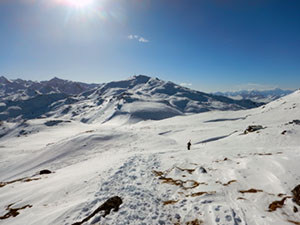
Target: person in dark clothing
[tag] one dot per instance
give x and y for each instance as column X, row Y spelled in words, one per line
column 189, row 145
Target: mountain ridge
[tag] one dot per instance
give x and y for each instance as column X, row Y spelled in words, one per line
column 137, row 98
column 263, row 96
column 18, row 89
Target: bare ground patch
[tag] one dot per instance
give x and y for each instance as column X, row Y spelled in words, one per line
column 13, row 212
column 24, row 179
column 294, row 222
column 201, row 193
column 226, row 184
column 170, row 202
column 184, row 184
column 252, row 190
column 192, row 222
column 277, row 204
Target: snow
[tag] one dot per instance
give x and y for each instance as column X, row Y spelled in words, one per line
column 17, row 90
column 110, row 100
column 146, row 163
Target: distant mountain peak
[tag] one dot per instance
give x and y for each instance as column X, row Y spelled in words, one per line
column 139, row 97
column 140, row 78
column 19, row 89
column 257, row 95
column 4, row 79
column 56, row 78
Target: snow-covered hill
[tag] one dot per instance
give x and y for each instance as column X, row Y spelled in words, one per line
column 233, row 174
column 265, row 96
column 137, row 98
column 16, row 90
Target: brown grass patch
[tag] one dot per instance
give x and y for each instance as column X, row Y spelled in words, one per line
column 194, row 184
column 89, row 131
column 230, row 182
column 190, row 171
column 281, row 195
column 225, row 159
column 252, row 190
column 201, row 193
column 277, row 204
column 295, row 209
column 24, row 179
column 294, row 222
column 226, row 184
column 170, row 202
column 157, row 173
column 30, row 179
column 267, row 153
column 181, row 183
column 168, row 180
column 13, row 212
column 264, row 154
column 194, row 222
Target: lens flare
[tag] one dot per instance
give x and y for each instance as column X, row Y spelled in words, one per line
column 77, row 3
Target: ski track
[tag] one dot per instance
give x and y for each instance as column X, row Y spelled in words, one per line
column 128, row 182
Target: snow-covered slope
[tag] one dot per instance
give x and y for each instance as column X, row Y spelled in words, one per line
column 141, row 98
column 228, row 177
column 137, row 98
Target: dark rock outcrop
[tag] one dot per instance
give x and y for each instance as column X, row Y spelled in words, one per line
column 297, row 122
column 253, row 128
column 296, row 194
column 112, row 203
column 45, row 172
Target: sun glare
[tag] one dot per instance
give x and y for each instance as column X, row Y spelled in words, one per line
column 78, row 3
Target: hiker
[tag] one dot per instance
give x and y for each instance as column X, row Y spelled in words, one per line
column 189, row 145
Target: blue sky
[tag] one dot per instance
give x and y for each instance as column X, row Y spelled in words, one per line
column 211, row 45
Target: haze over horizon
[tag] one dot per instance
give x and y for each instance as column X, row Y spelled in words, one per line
column 206, row 45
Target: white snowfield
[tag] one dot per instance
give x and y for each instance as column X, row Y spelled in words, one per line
column 228, row 177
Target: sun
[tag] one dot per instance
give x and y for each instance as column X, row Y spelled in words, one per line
column 78, row 3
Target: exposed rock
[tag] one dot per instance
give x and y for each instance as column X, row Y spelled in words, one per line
column 170, row 202
column 45, row 172
column 13, row 212
column 112, row 203
column 252, row 190
column 253, row 128
column 283, row 132
column 294, row 222
column 202, row 170
column 297, row 122
column 277, row 204
column 24, row 179
column 296, row 194
column 55, row 122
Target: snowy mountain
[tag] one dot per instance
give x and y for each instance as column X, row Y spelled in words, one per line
column 19, row 89
column 242, row 169
column 265, row 96
column 137, row 98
